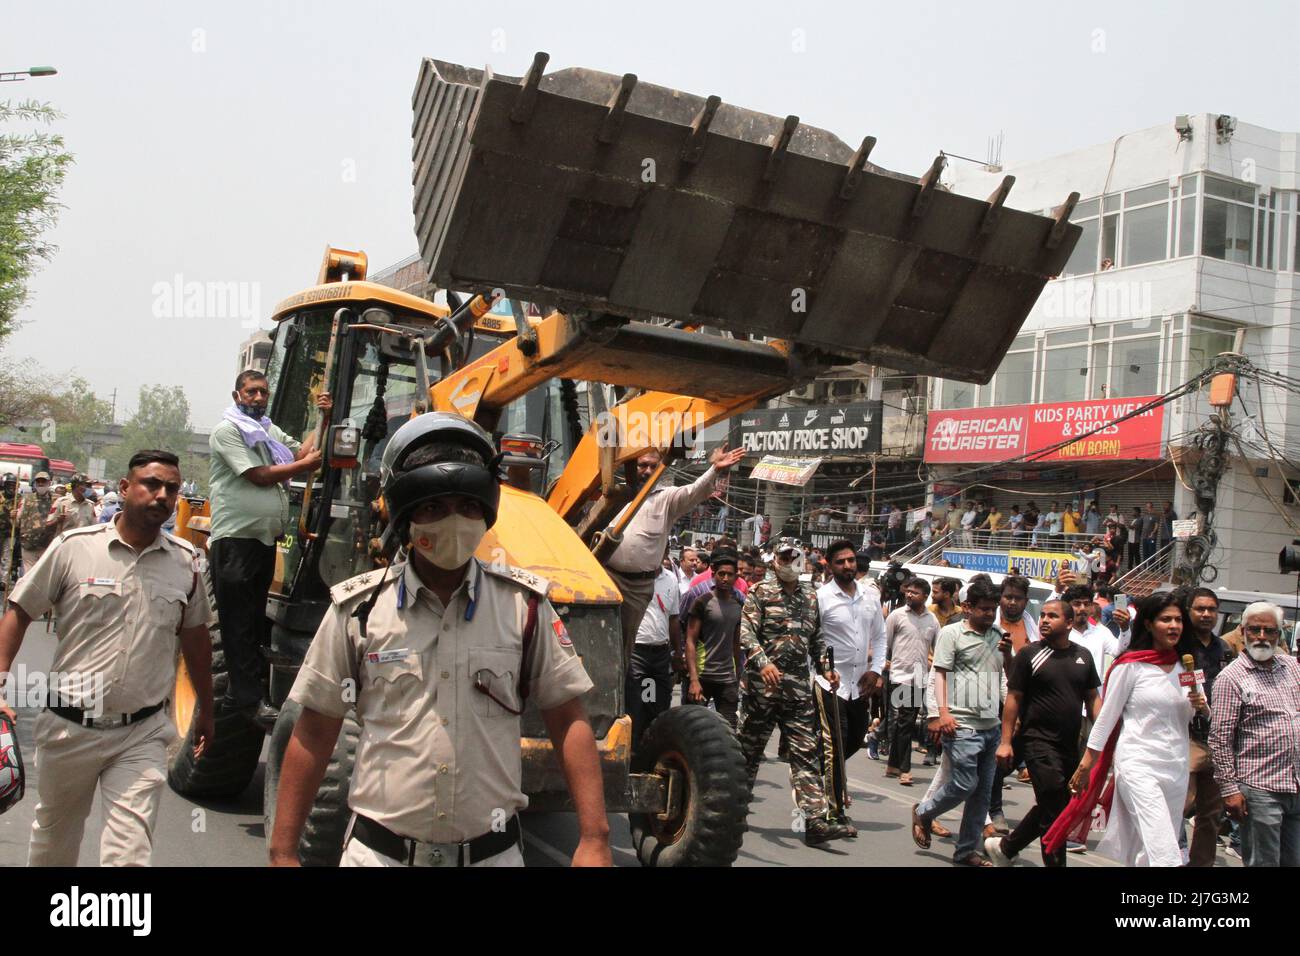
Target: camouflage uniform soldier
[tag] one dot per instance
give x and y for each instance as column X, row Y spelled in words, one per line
column 35, row 530
column 8, row 508
column 779, row 628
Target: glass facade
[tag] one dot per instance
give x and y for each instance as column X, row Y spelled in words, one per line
column 1199, row 215
column 1113, row 360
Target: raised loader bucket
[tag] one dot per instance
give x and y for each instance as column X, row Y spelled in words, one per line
column 584, row 190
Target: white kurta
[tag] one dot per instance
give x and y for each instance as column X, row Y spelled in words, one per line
column 1151, row 763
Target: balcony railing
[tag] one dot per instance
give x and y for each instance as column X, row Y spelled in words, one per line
column 1152, row 573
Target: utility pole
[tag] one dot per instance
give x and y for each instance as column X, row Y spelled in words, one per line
column 1193, row 567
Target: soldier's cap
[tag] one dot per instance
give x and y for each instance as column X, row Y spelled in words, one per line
column 786, row 545
column 8, row 478
column 41, row 474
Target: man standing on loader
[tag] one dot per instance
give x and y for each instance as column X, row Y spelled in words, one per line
column 252, row 461
column 635, row 563
column 439, row 653
column 780, row 628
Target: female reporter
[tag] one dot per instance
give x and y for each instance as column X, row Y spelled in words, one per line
column 1142, row 730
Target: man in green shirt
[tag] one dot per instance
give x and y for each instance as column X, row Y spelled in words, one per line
column 969, row 659
column 252, row 462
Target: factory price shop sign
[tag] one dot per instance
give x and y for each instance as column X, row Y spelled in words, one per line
column 966, row 435
column 818, row 431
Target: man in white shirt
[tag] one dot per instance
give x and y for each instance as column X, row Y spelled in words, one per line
column 853, row 626
column 658, row 648
column 751, row 533
column 691, row 566
column 1049, row 523
column 635, row 563
column 968, row 525
column 1100, row 642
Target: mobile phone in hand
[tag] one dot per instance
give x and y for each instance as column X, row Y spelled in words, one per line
column 1121, row 602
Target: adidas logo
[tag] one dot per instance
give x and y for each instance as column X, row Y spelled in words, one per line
column 1078, row 660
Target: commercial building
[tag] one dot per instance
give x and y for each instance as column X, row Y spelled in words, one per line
column 1190, row 248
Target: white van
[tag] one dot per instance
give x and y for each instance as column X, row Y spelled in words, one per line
column 1039, row 591
column 1232, row 603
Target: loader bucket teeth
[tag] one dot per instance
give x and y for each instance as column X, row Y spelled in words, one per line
column 588, row 190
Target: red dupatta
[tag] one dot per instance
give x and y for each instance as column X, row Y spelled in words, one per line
column 1098, row 790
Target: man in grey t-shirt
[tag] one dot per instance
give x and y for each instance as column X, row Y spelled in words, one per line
column 969, row 660
column 713, row 641
column 911, row 631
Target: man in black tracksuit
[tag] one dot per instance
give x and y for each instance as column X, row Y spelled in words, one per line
column 1050, row 684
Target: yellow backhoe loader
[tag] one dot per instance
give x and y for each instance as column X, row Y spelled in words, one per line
column 592, row 231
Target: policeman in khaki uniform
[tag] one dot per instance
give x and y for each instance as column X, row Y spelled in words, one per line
column 432, row 651
column 74, row 510
column 124, row 593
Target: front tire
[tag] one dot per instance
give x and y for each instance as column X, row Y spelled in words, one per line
column 230, row 760
column 709, row 828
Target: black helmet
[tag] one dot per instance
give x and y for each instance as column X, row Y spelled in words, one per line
column 12, row 776
column 405, row 489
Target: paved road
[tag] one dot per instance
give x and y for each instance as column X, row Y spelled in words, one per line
column 231, row 833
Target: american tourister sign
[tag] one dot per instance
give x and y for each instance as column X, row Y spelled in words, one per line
column 965, row 435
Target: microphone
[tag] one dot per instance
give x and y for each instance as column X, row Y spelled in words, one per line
column 1193, row 676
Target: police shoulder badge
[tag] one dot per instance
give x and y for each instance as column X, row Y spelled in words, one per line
column 561, row 633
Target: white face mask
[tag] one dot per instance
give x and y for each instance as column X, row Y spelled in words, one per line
column 788, row 572
column 448, row 542
column 1261, row 652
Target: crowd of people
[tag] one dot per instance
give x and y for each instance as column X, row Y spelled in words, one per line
column 1135, row 719
column 1103, row 544
column 30, row 520
column 1129, row 717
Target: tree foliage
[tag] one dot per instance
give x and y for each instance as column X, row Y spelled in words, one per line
column 32, row 167
column 75, row 412
column 27, row 396
column 161, row 420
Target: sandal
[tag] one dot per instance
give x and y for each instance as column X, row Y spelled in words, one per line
column 975, row 860
column 905, row 780
column 939, row 830
column 920, row 829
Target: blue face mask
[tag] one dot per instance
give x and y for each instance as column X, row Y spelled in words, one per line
column 256, row 412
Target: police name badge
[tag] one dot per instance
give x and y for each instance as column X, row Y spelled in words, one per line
column 387, row 657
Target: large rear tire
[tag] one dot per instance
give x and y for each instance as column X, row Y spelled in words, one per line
column 710, row 826
column 230, row 760
column 321, row 843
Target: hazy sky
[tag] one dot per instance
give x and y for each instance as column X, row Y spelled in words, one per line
column 230, row 142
